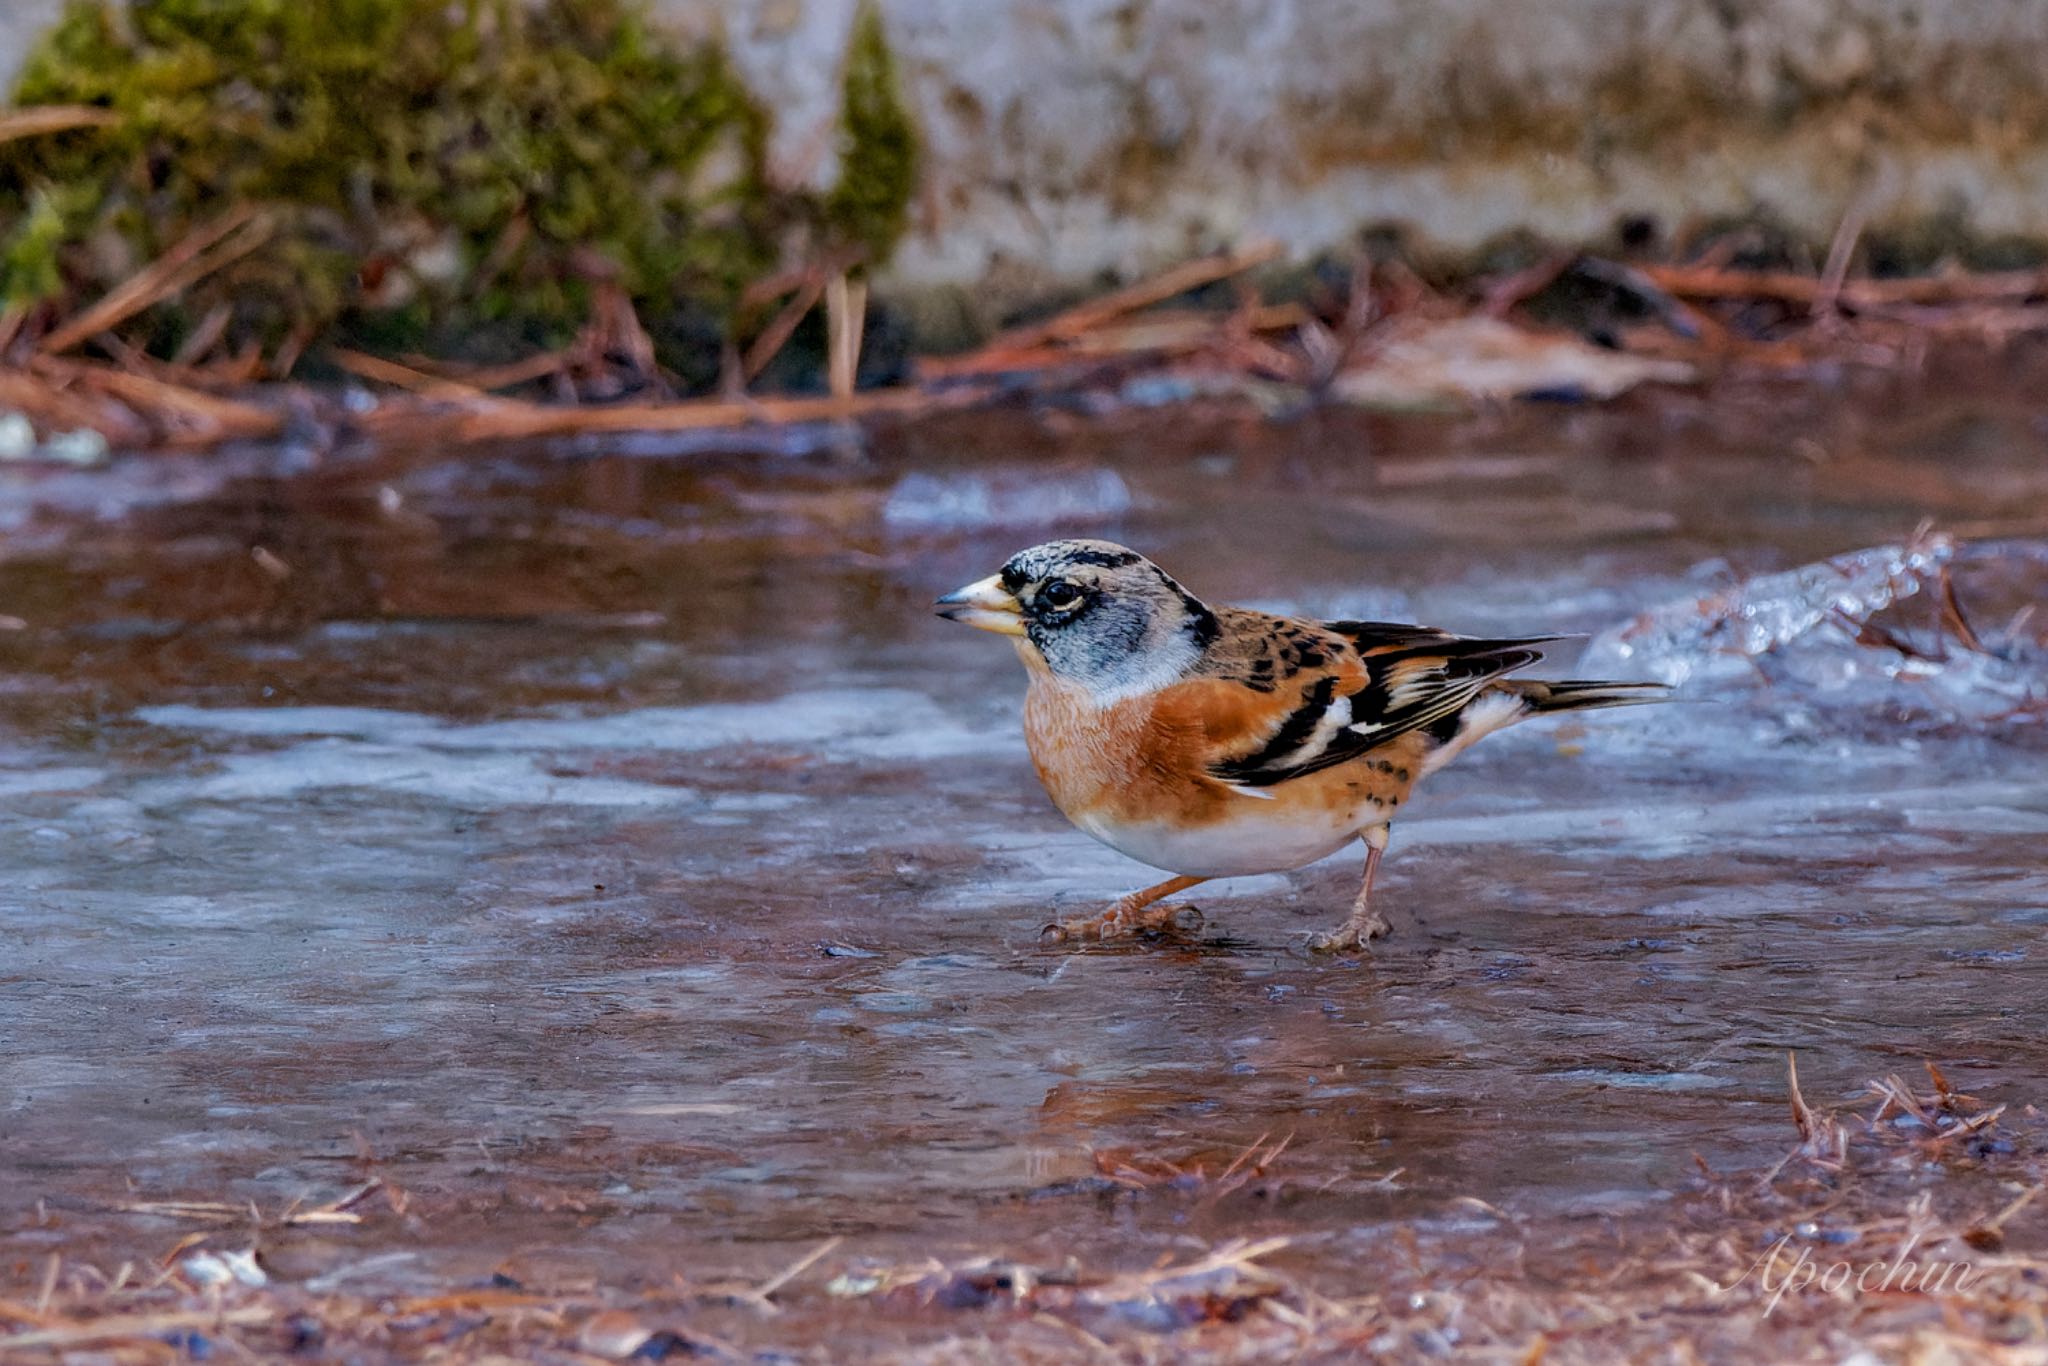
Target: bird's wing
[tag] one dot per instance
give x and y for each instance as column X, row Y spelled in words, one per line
column 1402, row 678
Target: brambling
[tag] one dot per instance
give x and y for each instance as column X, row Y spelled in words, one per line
column 1218, row 741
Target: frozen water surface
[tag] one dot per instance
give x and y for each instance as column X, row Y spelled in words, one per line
column 608, row 848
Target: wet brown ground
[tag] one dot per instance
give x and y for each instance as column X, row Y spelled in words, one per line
column 604, row 850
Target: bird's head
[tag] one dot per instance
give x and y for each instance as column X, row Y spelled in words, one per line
column 1094, row 613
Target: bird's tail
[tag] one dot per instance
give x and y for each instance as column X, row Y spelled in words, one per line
column 1581, row 694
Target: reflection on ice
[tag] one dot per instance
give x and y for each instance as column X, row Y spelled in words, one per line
column 517, row 762
column 883, row 723
column 469, row 780
column 27, row 782
column 993, row 498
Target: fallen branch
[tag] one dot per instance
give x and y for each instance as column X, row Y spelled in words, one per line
column 1709, row 282
column 204, row 417
column 615, row 331
column 506, row 420
column 39, row 119
column 477, row 379
column 1010, row 360
column 145, row 1326
column 846, row 314
column 402, row 376
column 205, row 250
column 55, row 409
column 1187, row 330
column 1164, row 333
column 506, row 376
column 1835, row 273
column 1159, row 288
column 783, row 326
column 1396, row 343
column 197, row 346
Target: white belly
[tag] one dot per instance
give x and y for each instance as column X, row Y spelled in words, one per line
column 1255, row 840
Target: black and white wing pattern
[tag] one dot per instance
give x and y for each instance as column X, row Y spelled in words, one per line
column 1410, row 678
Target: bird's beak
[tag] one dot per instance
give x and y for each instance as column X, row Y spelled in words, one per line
column 986, row 606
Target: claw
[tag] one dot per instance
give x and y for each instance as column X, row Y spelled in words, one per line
column 1119, row 924
column 1353, row 936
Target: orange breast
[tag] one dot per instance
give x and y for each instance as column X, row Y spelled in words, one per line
column 1147, row 759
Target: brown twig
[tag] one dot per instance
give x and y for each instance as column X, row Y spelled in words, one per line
column 1821, row 1137
column 1186, row 330
column 205, row 250
column 769, row 288
column 1952, row 615
column 782, row 326
column 56, row 408
column 1840, row 251
column 1705, row 282
column 187, row 416
column 506, row 419
column 1157, row 289
column 289, row 352
column 489, row 377
column 141, row 1326
column 846, row 313
column 38, row 119
column 196, row 347
column 1802, row 1114
column 766, row 1290
column 614, row 330
column 1011, row 360
column 403, row 376
column 1151, row 335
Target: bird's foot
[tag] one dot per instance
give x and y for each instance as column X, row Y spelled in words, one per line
column 1119, row 923
column 1353, row 936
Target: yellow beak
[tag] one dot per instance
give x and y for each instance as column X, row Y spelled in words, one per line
column 986, row 606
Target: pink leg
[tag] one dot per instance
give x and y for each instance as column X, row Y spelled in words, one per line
column 1364, row 924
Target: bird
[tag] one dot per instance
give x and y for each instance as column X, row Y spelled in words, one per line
column 1216, row 741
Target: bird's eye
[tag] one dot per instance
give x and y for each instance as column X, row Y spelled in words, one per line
column 1059, row 595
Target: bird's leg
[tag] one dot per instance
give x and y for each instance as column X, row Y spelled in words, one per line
column 1364, row 924
column 1126, row 915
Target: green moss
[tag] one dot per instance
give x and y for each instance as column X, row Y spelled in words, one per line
column 870, row 204
column 29, row 252
column 434, row 169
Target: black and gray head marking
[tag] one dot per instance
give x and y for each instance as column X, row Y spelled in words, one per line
column 1107, row 617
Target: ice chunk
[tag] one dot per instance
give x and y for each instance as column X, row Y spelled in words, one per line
column 209, row 1269
column 17, row 437
column 81, row 447
column 1829, row 628
column 1721, row 634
